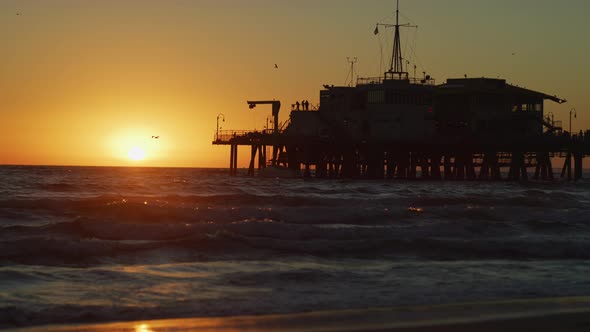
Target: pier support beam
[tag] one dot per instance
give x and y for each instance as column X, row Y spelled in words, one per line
column 448, row 170
column 484, row 171
column 321, row 167
column 518, row 169
column 424, row 166
column 275, row 155
column 293, row 158
column 495, row 167
column 403, row 165
column 397, row 165
column 413, row 165
column 233, row 160
column 349, row 165
column 435, row 166
column 490, row 170
column 261, row 151
column 389, row 165
column 332, row 167
column 375, row 164
column 261, row 157
column 252, row 158
column 459, row 169
column 543, row 168
column 567, row 166
column 469, row 167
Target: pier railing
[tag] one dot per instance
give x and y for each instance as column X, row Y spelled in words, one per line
column 225, row 136
column 379, row 80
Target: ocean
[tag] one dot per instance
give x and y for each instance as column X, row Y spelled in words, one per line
column 97, row 244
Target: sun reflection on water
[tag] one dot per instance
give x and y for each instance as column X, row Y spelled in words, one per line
column 143, row 328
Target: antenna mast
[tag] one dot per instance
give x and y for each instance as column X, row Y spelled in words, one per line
column 396, row 58
column 396, row 70
column 352, row 62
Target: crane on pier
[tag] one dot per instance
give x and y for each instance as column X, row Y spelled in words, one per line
column 276, row 107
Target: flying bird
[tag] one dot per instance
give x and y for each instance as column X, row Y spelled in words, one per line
column 19, row 14
column 276, row 66
column 155, row 137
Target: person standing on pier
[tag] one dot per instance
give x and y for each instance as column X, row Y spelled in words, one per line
column 297, row 105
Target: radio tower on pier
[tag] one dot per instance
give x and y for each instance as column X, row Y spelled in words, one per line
column 396, row 70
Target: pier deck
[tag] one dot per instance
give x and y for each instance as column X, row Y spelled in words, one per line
column 444, row 159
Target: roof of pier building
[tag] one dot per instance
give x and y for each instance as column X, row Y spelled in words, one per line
column 492, row 85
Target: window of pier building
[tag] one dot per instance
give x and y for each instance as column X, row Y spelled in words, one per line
column 376, row 97
column 528, row 107
column 489, row 101
column 397, row 97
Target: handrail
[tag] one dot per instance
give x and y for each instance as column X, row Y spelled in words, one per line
column 381, row 79
column 227, row 135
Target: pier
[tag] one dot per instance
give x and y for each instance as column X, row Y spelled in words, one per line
column 399, row 126
column 324, row 157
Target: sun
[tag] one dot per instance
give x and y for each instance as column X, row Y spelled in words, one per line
column 135, row 147
column 136, row 154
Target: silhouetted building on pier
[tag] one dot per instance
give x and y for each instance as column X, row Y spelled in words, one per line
column 397, row 126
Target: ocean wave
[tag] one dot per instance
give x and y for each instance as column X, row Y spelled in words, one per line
column 286, row 208
column 169, row 199
column 89, row 242
column 58, row 187
column 107, row 213
column 528, row 198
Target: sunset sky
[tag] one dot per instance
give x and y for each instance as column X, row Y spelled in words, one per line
column 83, row 82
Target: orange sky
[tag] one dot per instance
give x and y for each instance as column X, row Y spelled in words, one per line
column 82, row 82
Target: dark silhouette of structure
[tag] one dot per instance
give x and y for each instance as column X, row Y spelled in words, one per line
column 397, row 126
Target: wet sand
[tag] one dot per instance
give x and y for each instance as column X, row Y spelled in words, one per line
column 553, row 314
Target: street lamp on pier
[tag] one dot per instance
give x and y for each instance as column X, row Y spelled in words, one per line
column 220, row 115
column 572, row 111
